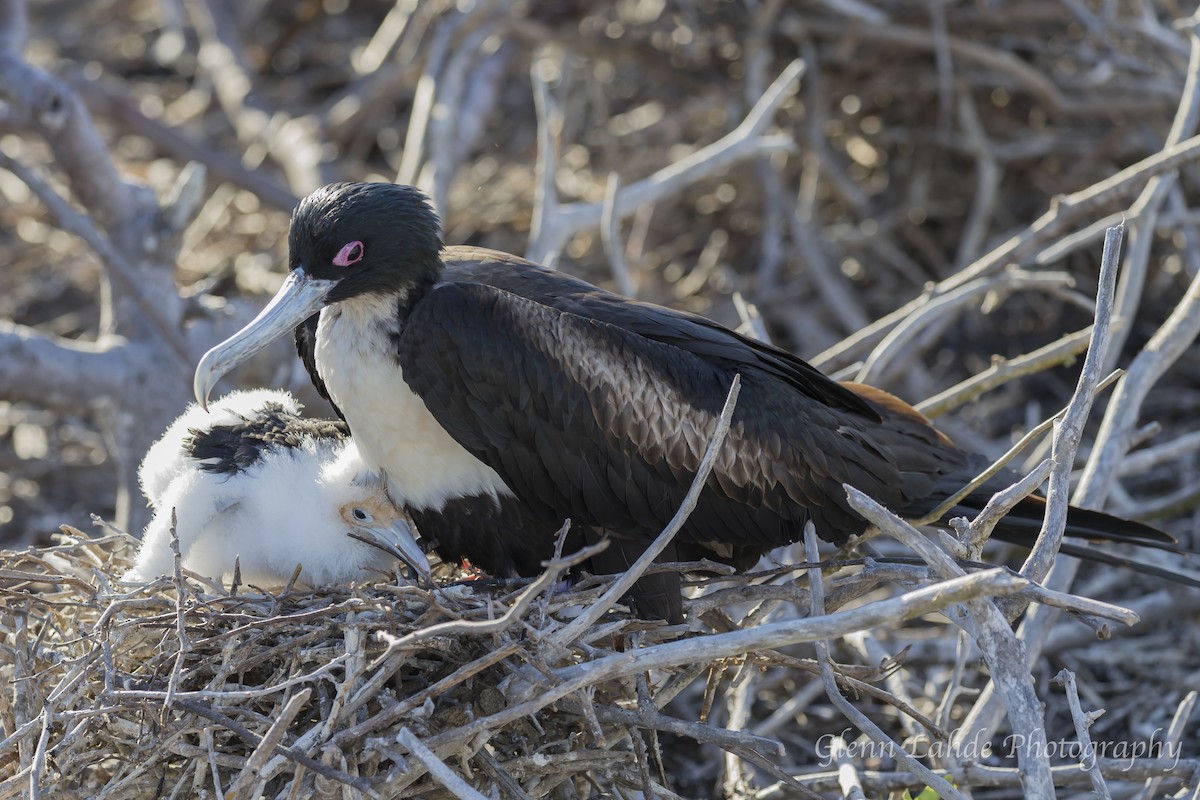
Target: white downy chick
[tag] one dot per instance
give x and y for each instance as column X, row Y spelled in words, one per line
column 252, row 480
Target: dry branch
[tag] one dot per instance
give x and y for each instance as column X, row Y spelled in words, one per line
column 1069, row 431
column 556, row 223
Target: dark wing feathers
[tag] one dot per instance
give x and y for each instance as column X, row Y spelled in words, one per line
column 607, row 395
column 787, row 449
column 689, row 332
column 598, row 408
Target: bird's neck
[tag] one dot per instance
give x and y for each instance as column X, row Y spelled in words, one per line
column 412, row 294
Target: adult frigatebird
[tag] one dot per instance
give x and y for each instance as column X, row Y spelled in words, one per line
column 255, row 481
column 500, row 397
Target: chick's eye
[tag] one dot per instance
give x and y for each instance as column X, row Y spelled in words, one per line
column 351, row 253
column 361, row 516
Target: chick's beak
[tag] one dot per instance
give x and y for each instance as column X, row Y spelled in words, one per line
column 298, row 298
column 397, row 540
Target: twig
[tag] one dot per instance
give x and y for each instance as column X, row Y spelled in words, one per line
column 1173, row 737
column 116, row 262
column 700, row 732
column 108, row 101
column 510, row 789
column 185, row 646
column 856, row 717
column 242, row 787
column 937, row 309
column 1032, row 435
column 437, row 768
column 1169, row 342
column 545, row 188
column 1017, row 249
column 771, row 636
column 446, row 128
column 523, row 602
column 1003, row 651
column 285, row 139
column 1004, row 370
column 57, row 372
column 200, row 709
column 560, row 223
column 1008, row 63
column 423, row 101
column 230, row 695
column 975, row 533
column 1142, row 461
column 983, row 776
column 756, row 57
column 39, row 757
column 1146, row 207
column 1082, row 723
column 848, row 779
column 386, row 37
column 398, row 710
column 987, row 169
column 610, row 237
column 1070, row 430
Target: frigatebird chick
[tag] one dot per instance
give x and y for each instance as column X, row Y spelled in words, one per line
column 500, row 398
column 252, row 480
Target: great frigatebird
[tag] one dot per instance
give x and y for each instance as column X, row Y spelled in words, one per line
column 500, row 397
column 254, row 480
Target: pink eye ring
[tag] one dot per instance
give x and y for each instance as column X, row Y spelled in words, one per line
column 350, row 253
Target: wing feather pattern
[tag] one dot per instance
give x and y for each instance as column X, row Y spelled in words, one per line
column 630, row 416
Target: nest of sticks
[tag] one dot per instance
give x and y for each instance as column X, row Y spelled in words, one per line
column 182, row 688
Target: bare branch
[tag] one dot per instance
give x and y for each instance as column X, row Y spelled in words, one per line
column 286, row 139
column 61, row 373
column 744, row 141
column 936, row 310
column 1003, row 651
column 109, row 102
column 57, row 113
column 858, row 718
column 1145, row 209
column 437, row 768
column 1070, row 430
column 1120, row 418
column 1082, row 723
column 780, row 634
column 610, row 235
column 1017, row 249
column 1003, row 370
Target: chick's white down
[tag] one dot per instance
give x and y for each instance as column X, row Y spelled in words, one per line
column 296, row 505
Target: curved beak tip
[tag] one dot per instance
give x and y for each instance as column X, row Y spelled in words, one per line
column 298, row 298
column 201, row 386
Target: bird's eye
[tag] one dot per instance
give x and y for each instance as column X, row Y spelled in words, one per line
column 351, row 253
column 361, row 516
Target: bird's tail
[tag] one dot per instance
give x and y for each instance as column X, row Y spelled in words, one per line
column 1022, row 524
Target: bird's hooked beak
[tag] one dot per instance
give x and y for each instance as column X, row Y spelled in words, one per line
column 298, row 298
column 397, row 540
